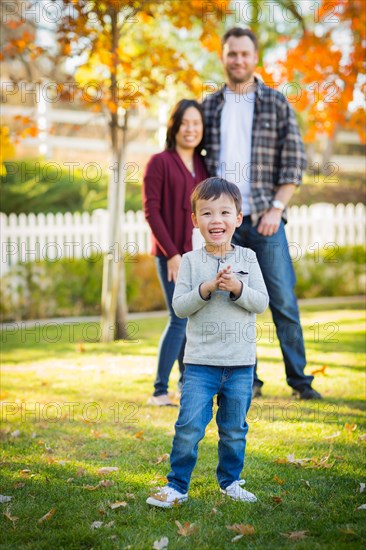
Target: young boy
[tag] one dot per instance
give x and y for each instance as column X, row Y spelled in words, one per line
column 219, row 288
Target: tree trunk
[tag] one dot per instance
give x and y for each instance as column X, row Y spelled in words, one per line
column 113, row 268
column 122, row 308
column 114, row 286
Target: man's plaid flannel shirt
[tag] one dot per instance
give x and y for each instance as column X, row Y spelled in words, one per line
column 277, row 155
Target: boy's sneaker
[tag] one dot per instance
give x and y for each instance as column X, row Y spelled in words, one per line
column 167, row 497
column 236, row 492
column 161, row 401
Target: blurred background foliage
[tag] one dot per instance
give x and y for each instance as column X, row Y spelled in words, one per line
column 45, row 289
column 36, row 185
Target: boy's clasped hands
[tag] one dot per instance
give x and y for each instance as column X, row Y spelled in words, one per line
column 224, row 280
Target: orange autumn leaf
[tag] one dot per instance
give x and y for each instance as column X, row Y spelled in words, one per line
column 295, row 535
column 350, row 427
column 139, row 435
column 278, row 480
column 11, row 518
column 242, row 529
column 47, row 516
column 320, row 370
column 186, row 529
column 117, row 504
column 162, row 458
column 112, row 106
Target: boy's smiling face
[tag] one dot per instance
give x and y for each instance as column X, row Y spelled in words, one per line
column 217, row 220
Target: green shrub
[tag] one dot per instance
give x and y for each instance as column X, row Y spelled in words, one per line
column 36, row 185
column 36, row 290
column 336, row 272
column 46, row 289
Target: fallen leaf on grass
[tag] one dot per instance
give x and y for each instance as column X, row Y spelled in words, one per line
column 320, row 370
column 103, row 483
column 19, row 485
column 362, row 487
column 96, row 524
column 306, row 483
column 214, row 510
column 187, row 529
column 139, row 435
column 317, row 464
column 161, row 544
column 4, row 498
column 157, row 479
column 242, row 529
column 290, row 459
column 278, row 480
column 312, row 463
column 117, row 504
column 362, row 507
column 25, row 473
column 162, row 458
column 362, row 437
column 47, row 516
column 295, row 535
column 347, row 531
column 97, row 434
column 108, row 469
column 333, row 436
column 350, row 427
column 130, row 495
column 81, row 472
column 11, row 518
column 278, row 500
column 109, row 524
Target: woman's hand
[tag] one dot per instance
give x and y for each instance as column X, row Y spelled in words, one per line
column 173, row 267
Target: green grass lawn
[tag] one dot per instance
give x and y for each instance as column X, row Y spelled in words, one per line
column 70, row 409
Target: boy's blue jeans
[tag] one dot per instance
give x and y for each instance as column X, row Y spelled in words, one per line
column 234, row 389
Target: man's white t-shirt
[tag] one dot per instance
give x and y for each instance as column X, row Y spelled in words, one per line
column 236, row 142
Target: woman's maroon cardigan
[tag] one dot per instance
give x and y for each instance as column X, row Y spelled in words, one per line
column 167, row 187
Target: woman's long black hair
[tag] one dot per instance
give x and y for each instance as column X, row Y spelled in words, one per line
column 175, row 121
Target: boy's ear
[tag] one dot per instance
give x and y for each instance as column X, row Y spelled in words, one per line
column 239, row 219
column 194, row 219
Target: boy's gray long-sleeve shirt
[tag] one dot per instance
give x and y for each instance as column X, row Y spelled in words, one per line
column 221, row 331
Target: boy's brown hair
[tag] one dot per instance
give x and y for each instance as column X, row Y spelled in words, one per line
column 213, row 188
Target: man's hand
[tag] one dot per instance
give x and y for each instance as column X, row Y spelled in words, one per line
column 173, row 267
column 228, row 281
column 270, row 222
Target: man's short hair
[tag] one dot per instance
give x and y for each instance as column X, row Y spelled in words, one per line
column 237, row 32
column 213, row 188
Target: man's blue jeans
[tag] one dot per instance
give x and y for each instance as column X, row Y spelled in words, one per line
column 173, row 339
column 279, row 275
column 233, row 387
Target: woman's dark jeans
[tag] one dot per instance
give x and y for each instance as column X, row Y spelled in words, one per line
column 173, row 339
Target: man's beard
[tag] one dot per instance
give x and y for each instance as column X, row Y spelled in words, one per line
column 235, row 80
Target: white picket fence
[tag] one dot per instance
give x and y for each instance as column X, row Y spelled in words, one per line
column 54, row 236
